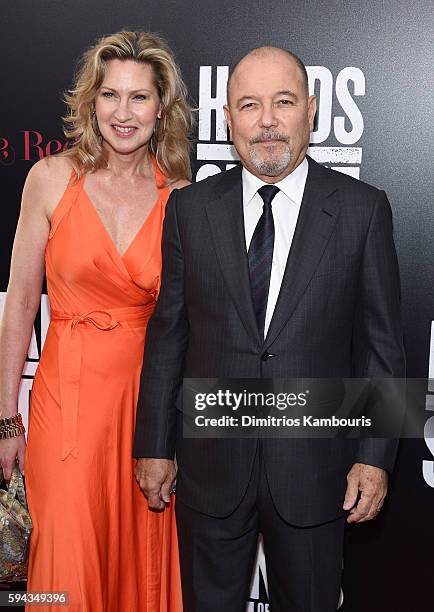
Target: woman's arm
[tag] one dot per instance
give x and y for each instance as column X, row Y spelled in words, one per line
column 44, row 186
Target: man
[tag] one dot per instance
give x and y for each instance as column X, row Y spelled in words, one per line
column 321, row 301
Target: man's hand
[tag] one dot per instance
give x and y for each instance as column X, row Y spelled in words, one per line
column 371, row 481
column 155, row 478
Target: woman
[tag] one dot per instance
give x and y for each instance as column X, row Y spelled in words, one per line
column 95, row 215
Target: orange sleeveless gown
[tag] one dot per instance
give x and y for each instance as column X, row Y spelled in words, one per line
column 94, row 536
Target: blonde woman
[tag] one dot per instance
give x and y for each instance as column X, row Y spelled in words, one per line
column 91, row 219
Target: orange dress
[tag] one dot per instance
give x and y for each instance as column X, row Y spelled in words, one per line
column 94, row 536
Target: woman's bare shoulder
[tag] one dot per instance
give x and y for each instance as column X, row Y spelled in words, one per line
column 47, row 181
column 52, row 168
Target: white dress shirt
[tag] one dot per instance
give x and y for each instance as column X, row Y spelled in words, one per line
column 286, row 206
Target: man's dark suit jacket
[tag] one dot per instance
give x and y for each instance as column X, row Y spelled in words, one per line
column 337, row 315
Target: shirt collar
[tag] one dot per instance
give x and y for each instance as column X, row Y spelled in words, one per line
column 292, row 185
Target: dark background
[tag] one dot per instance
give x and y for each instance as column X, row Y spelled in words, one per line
column 388, row 564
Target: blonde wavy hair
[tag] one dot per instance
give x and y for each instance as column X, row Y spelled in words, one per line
column 170, row 141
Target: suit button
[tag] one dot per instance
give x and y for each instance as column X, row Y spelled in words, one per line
column 266, row 356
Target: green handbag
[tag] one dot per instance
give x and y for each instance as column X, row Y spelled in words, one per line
column 15, row 528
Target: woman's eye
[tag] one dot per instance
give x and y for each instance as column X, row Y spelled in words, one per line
column 107, row 94
column 140, row 97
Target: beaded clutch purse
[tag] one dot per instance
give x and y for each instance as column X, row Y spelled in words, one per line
column 15, row 528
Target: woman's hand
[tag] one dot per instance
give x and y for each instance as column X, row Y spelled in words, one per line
column 12, row 450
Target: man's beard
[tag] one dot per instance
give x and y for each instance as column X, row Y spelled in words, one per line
column 272, row 163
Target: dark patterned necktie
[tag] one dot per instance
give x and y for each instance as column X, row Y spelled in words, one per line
column 260, row 256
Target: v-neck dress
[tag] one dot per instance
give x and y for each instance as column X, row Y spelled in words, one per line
column 93, row 534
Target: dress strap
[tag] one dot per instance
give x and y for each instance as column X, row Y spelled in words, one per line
column 160, row 178
column 65, row 203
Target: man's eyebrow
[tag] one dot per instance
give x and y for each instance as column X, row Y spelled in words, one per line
column 287, row 92
column 244, row 98
column 283, row 92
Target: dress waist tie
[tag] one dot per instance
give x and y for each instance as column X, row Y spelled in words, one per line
column 70, row 358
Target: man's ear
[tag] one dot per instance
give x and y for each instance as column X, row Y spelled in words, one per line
column 227, row 113
column 311, row 111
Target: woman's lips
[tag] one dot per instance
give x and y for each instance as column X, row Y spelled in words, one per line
column 123, row 131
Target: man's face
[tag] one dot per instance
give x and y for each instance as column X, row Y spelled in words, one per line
column 270, row 115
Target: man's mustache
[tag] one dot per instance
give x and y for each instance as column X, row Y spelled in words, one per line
column 267, row 135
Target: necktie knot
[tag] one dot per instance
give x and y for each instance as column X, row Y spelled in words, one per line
column 267, row 193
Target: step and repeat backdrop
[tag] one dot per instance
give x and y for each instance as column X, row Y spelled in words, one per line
column 370, row 65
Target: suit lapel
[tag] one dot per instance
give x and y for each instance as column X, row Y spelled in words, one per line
column 317, row 218
column 226, row 219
